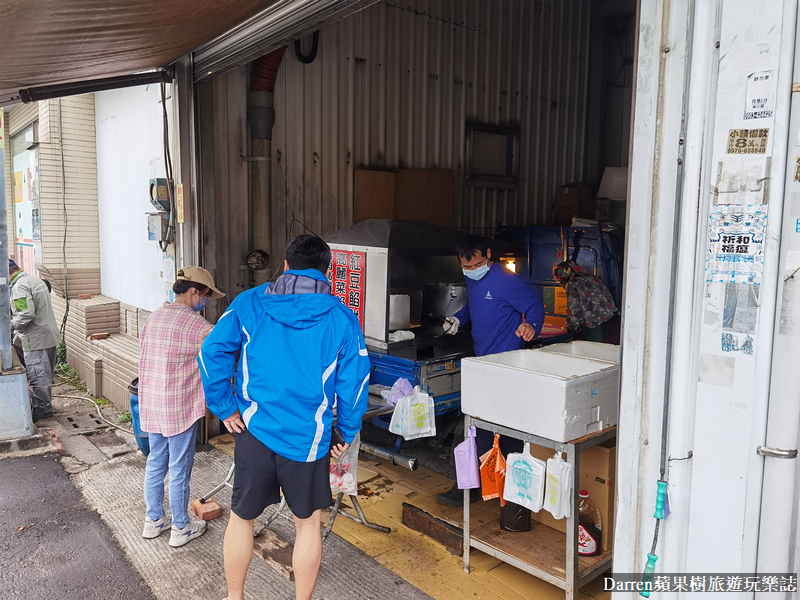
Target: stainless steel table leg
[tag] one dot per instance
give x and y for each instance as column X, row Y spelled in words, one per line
column 467, row 498
column 205, row 498
column 573, row 575
column 271, row 518
column 334, row 512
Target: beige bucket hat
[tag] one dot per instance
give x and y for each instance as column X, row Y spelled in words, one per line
column 200, row 275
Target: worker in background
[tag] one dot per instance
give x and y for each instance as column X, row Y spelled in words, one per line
column 171, row 401
column 34, row 324
column 17, row 342
column 302, row 350
column 590, row 307
column 505, row 313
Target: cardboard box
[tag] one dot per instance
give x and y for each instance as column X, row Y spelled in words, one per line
column 424, row 195
column 418, row 194
column 574, row 200
column 373, row 196
column 597, row 466
column 555, row 300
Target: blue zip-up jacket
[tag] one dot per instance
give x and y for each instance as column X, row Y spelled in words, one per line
column 495, row 305
column 300, row 353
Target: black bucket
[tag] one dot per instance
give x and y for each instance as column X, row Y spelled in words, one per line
column 514, row 517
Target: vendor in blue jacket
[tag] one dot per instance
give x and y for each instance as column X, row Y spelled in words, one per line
column 497, row 301
column 302, row 351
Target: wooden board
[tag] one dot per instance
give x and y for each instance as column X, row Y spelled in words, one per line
column 275, row 551
column 223, row 442
column 541, row 547
column 446, row 534
column 373, row 197
column 480, row 512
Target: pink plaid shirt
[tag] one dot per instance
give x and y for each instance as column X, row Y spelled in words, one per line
column 170, row 390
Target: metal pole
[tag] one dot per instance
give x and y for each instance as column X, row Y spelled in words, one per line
column 5, row 298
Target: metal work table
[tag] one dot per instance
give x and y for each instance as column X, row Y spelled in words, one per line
column 538, row 551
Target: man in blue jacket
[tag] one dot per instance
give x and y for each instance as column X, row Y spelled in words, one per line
column 302, row 351
column 497, row 301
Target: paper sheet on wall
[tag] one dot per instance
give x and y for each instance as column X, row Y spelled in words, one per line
column 736, row 244
column 760, row 103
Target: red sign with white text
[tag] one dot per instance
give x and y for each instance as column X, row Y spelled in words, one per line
column 348, row 277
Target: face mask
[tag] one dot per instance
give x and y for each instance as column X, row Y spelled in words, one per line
column 199, row 305
column 477, row 273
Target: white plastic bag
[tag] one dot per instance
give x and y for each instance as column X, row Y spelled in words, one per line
column 419, row 418
column 344, row 470
column 397, row 424
column 558, row 488
column 525, row 479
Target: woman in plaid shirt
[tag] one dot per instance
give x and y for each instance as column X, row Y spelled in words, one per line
column 171, row 401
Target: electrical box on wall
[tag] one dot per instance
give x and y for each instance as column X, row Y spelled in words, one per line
column 159, row 194
column 157, row 226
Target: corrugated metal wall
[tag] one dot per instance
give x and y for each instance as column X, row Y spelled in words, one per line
column 394, row 85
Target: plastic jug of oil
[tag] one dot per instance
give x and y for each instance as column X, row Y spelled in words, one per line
column 589, row 526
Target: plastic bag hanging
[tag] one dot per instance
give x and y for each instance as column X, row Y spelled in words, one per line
column 525, row 479
column 493, row 472
column 558, row 487
column 467, row 467
column 402, row 387
column 419, row 418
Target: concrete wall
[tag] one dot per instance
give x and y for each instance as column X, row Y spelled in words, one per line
column 129, row 154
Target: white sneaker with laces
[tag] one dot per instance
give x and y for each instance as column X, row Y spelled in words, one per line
column 153, row 529
column 179, row 537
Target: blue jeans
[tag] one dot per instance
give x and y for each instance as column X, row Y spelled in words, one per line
column 176, row 455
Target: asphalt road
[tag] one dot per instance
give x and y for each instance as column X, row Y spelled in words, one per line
column 52, row 544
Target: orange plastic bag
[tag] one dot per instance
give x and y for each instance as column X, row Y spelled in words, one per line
column 493, row 472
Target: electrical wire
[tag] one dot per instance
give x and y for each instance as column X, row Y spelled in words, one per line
column 64, row 209
column 168, row 170
column 100, row 414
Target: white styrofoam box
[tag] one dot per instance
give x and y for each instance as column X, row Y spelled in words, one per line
column 556, row 396
column 15, row 410
column 595, row 350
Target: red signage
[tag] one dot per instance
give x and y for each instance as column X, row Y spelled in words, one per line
column 348, row 277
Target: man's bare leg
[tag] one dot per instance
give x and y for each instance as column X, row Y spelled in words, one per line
column 237, row 551
column 306, row 556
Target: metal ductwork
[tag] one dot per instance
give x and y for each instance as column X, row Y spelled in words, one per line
column 275, row 26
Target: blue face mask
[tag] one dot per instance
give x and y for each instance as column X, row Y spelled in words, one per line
column 477, row 273
column 199, row 305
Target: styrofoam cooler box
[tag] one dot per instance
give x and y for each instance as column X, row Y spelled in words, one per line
column 596, row 350
column 556, row 396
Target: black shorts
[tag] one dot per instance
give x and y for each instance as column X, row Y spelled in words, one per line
column 261, row 474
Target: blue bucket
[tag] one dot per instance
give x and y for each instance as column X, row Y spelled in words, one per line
column 141, row 436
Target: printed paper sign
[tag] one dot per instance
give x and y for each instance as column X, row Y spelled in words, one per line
column 736, row 244
column 179, row 201
column 760, row 103
column 748, row 141
column 348, row 277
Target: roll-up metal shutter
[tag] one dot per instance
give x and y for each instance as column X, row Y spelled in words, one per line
column 273, row 27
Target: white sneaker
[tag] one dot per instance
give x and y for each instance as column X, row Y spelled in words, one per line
column 193, row 529
column 153, row 529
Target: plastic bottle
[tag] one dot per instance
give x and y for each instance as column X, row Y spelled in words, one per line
column 589, row 526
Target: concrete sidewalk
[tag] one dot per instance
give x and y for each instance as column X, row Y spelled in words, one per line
column 114, row 488
column 108, row 470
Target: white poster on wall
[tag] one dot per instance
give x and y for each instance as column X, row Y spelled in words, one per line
column 736, row 244
column 760, row 99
